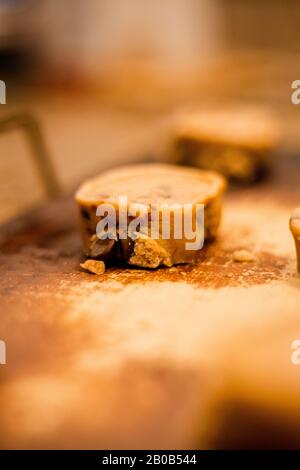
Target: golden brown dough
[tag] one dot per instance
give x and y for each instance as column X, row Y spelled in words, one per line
column 237, row 142
column 152, row 186
column 295, row 229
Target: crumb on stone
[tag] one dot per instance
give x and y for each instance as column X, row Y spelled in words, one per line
column 93, row 266
column 295, row 229
column 243, row 256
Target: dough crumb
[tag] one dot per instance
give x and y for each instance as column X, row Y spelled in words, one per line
column 150, row 253
column 242, row 256
column 93, row 266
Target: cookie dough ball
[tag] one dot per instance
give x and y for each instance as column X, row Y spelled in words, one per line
column 164, row 195
column 237, row 142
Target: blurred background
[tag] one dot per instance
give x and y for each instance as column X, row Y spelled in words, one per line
column 88, row 85
column 95, row 77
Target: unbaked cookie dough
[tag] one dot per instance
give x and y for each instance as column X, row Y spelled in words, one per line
column 295, row 229
column 237, row 142
column 157, row 188
column 243, row 256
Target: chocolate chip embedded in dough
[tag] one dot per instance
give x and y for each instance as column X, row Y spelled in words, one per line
column 85, row 214
column 101, row 248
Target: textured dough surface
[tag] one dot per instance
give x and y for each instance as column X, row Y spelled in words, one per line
column 150, row 185
column 249, row 127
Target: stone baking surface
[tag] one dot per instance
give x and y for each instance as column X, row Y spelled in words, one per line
column 118, row 360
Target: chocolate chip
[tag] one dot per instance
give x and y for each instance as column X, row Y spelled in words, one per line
column 85, row 214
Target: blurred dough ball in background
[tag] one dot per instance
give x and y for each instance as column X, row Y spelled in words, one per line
column 237, row 140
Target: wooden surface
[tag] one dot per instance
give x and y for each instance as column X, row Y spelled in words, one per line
column 132, row 358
